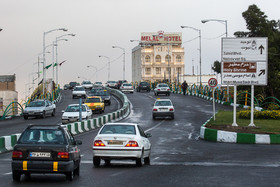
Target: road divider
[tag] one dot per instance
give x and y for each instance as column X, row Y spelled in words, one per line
column 7, row 142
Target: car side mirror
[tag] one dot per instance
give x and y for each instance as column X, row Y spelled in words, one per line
column 148, row 135
column 79, row 142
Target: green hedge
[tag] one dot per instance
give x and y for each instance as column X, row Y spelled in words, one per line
column 267, row 114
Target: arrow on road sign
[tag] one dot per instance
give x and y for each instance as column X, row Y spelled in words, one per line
column 261, row 48
column 262, row 71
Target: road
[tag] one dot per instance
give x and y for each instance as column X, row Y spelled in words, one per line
column 178, row 157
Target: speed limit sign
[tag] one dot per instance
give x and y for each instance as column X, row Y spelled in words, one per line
column 212, row 82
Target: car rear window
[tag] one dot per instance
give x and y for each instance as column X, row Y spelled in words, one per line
column 162, row 85
column 75, row 108
column 92, row 100
column 43, row 136
column 163, row 103
column 144, row 84
column 118, row 129
column 37, row 104
column 79, row 89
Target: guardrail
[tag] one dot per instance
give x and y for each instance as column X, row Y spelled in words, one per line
column 7, row 142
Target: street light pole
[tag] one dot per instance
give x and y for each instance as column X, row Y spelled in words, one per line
column 44, row 59
column 199, row 31
column 95, row 71
column 108, row 65
column 123, row 59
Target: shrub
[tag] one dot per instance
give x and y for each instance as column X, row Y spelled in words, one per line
column 267, row 114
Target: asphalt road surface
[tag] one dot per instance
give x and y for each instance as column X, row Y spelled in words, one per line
column 178, row 157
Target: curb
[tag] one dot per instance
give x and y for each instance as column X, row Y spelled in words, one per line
column 7, row 142
column 235, row 137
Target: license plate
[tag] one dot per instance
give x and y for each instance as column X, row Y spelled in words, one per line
column 163, row 109
column 40, row 154
column 163, row 89
column 79, row 95
column 115, row 142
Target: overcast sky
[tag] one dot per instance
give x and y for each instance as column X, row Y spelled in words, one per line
column 100, row 24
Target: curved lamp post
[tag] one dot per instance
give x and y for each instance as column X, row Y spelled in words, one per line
column 108, row 65
column 95, row 71
column 123, row 59
column 217, row 20
column 199, row 31
column 44, row 60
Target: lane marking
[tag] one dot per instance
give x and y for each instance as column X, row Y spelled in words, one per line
column 155, row 126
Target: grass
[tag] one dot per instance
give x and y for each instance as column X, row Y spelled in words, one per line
column 225, row 118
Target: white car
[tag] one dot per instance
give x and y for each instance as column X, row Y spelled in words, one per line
column 127, row 87
column 79, row 92
column 162, row 88
column 39, row 108
column 163, row 108
column 71, row 114
column 118, row 141
column 87, row 84
column 111, row 84
column 98, row 84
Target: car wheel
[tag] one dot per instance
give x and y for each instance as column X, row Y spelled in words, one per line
column 169, row 94
column 73, row 97
column 70, row 175
column 16, row 176
column 172, row 117
column 154, row 117
column 53, row 113
column 109, row 103
column 139, row 161
column 155, row 93
column 96, row 161
column 25, row 117
column 43, row 115
column 147, row 160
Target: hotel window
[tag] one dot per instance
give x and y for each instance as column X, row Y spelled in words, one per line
column 179, row 70
column 167, row 58
column 158, row 58
column 147, row 58
column 158, row 71
column 148, row 71
column 178, row 58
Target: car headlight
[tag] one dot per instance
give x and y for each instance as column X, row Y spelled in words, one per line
column 64, row 117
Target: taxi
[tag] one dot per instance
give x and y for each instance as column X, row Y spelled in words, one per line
column 163, row 108
column 95, row 103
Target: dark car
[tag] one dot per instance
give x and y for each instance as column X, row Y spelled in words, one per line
column 143, row 86
column 119, row 83
column 46, row 149
column 104, row 94
column 66, row 86
column 72, row 85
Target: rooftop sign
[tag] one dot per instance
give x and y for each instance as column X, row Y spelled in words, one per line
column 161, row 37
column 244, row 61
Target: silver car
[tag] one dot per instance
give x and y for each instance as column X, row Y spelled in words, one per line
column 162, row 88
column 39, row 108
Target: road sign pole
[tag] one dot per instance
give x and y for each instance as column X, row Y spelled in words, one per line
column 252, row 107
column 213, row 103
column 234, row 107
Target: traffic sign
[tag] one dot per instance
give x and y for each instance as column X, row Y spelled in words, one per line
column 212, row 82
column 244, row 61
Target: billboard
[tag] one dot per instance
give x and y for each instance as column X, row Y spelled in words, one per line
column 161, row 37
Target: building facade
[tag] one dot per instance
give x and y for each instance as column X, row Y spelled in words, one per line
column 158, row 57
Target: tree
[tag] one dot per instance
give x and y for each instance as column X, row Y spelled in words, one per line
column 259, row 26
column 217, row 67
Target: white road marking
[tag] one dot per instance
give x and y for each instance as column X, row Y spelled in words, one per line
column 9, row 173
column 155, row 126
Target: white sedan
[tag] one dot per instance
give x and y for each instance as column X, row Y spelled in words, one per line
column 79, row 92
column 163, row 108
column 72, row 112
column 118, row 141
column 127, row 87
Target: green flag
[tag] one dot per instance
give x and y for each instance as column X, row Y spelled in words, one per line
column 55, row 65
column 47, row 67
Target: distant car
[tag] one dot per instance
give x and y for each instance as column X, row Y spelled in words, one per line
column 79, row 92
column 143, row 86
column 46, row 149
column 66, row 87
column 116, row 141
column 39, row 108
column 71, row 114
column 87, row 84
column 72, row 85
column 95, row 103
column 104, row 94
column 163, row 108
column 120, row 82
column 162, row 88
column 111, row 84
column 98, row 84
column 127, row 87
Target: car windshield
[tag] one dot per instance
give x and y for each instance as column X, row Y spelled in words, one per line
column 79, row 89
column 37, row 104
column 86, row 82
column 162, row 85
column 72, row 83
column 102, row 93
column 98, row 83
column 42, row 136
column 75, row 108
column 118, row 129
column 92, row 100
column 163, row 103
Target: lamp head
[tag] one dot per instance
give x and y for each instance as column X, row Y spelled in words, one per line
column 73, row 34
column 113, row 46
column 63, row 29
column 204, row 21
